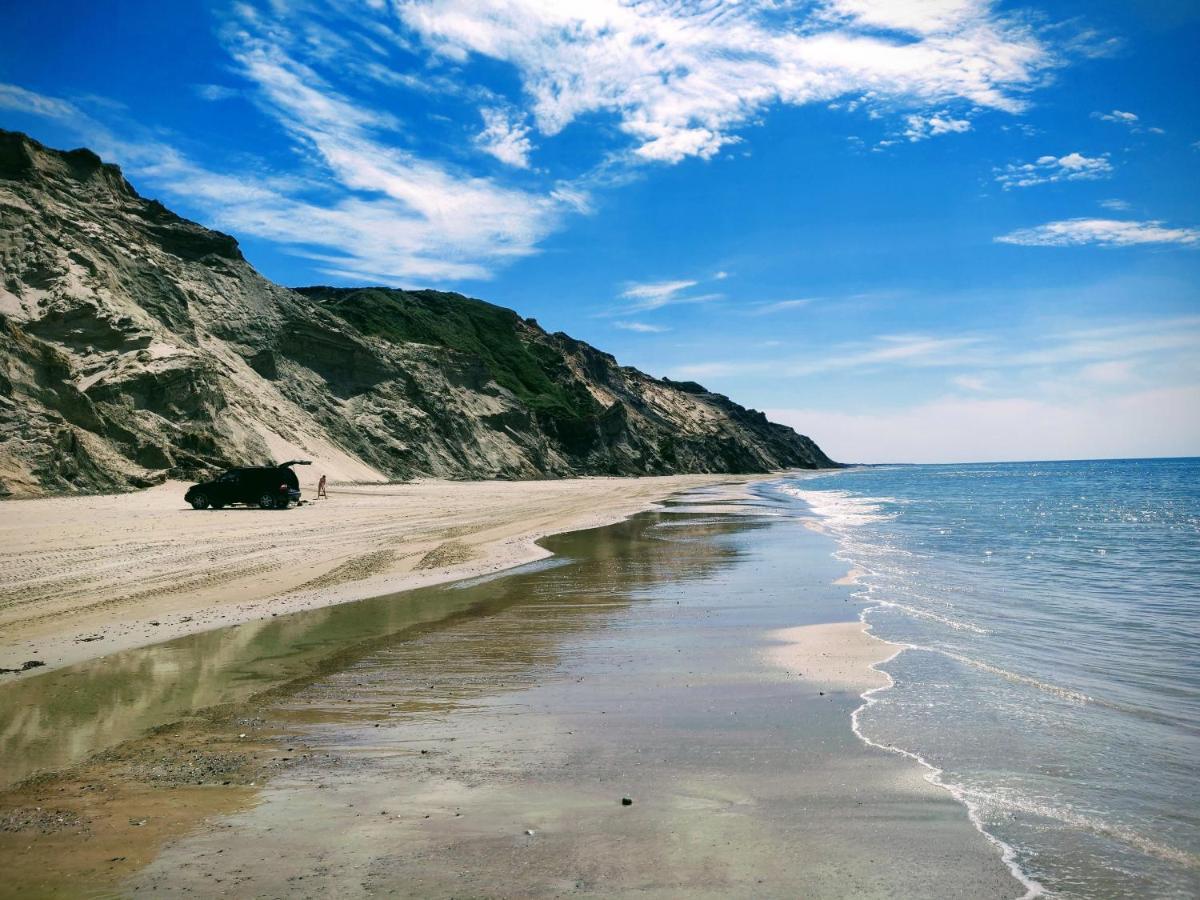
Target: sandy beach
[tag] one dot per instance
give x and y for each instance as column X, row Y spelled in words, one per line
column 483, row 737
column 82, row 577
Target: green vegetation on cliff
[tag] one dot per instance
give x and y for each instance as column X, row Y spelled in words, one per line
column 498, row 337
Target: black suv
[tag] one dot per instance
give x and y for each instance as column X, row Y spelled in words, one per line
column 267, row 487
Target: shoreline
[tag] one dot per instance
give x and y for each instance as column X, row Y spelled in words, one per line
column 85, row 577
column 583, row 718
column 846, row 656
column 851, row 654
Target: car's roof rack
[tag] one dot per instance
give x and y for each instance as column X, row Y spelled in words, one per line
column 295, row 462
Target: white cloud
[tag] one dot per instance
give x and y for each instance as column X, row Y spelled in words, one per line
column 920, row 128
column 1110, row 343
column 765, row 309
column 18, row 98
column 922, row 17
column 1115, row 371
column 1129, row 120
column 1117, row 205
column 657, row 290
column 678, row 79
column 970, row 383
column 1049, row 169
column 436, row 222
column 215, row 92
column 392, row 216
column 1104, row 232
column 1064, row 350
column 911, row 350
column 1163, row 421
column 641, row 327
column 682, row 78
column 1124, row 118
column 504, row 138
column 657, row 294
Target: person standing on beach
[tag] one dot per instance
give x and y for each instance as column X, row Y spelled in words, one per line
column 321, row 489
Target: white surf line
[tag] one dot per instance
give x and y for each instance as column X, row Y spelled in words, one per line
column 1008, row 853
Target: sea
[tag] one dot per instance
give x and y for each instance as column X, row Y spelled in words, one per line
column 1047, row 619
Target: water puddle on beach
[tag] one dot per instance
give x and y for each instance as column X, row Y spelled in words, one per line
column 483, row 737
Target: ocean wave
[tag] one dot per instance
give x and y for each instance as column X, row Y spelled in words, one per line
column 956, row 624
column 1008, row 853
column 1056, row 690
column 978, row 576
column 842, row 509
column 1006, row 802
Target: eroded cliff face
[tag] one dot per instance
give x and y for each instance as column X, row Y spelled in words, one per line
column 136, row 345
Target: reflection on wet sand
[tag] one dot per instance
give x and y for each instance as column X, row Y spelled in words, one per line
column 55, row 720
column 194, row 724
column 478, row 739
column 492, row 755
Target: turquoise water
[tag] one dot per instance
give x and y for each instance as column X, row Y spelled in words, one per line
column 1050, row 620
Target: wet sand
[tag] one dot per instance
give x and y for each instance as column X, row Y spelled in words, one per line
column 82, row 577
column 486, row 751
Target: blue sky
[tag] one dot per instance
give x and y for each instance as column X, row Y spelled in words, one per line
column 939, row 230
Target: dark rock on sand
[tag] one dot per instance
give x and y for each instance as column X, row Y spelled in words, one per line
column 25, row 666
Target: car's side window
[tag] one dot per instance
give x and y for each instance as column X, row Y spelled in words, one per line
column 229, row 478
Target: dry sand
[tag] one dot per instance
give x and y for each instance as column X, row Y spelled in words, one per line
column 82, row 577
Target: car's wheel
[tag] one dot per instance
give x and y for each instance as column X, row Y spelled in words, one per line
column 266, row 501
column 199, row 501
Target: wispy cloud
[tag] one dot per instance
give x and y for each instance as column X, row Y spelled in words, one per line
column 766, row 309
column 368, row 211
column 1119, row 116
column 435, row 222
column 1049, row 169
column 972, row 383
column 680, row 80
column 17, row 98
column 1117, row 205
column 215, row 92
column 653, row 291
column 505, row 138
column 1129, row 120
column 914, row 350
column 1090, row 352
column 641, row 327
column 1108, row 423
column 920, row 128
column 651, row 295
column 1117, row 371
column 655, row 294
column 1102, row 232
column 683, row 78
column 1111, row 343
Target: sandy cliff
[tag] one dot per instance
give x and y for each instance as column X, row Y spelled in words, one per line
column 136, row 345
